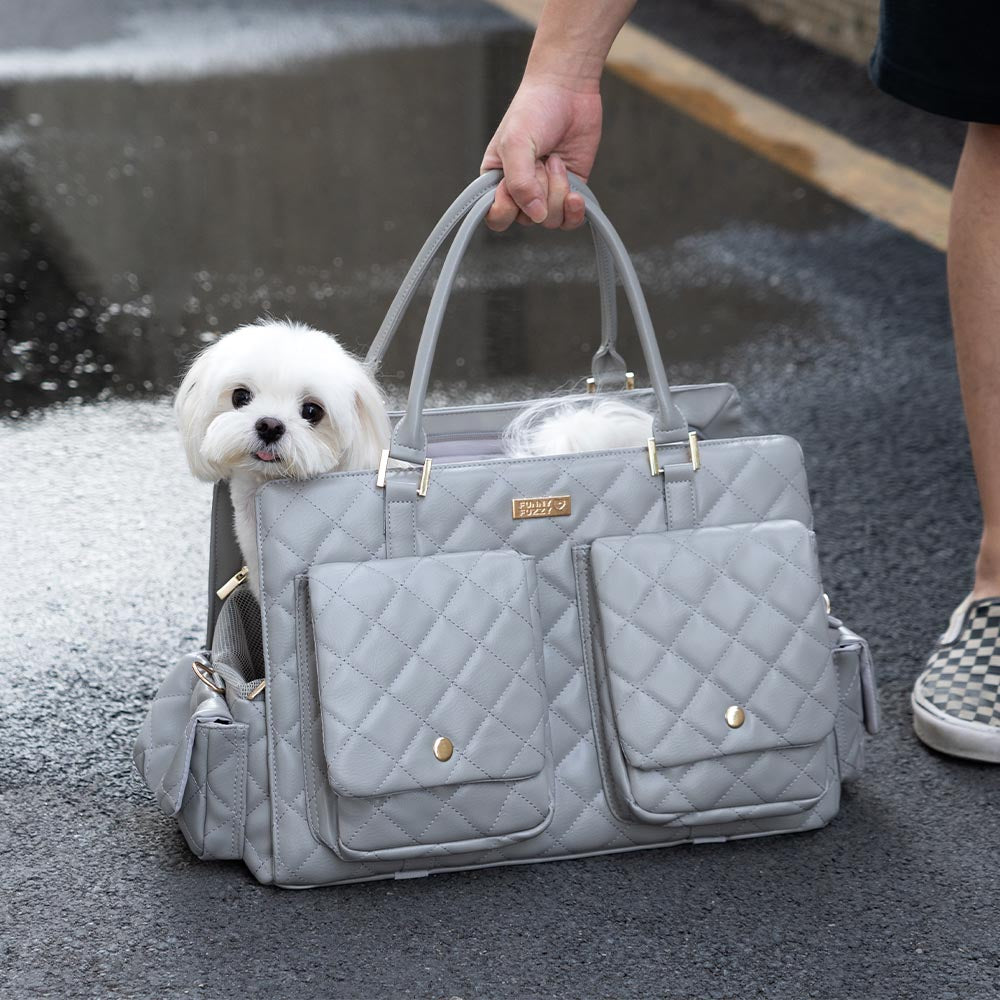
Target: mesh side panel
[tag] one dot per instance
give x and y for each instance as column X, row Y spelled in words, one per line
column 237, row 645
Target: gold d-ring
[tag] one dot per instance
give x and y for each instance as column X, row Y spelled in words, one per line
column 200, row 671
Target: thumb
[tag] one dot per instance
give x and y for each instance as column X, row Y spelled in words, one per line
column 523, row 181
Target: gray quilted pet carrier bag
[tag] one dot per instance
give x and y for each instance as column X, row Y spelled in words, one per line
column 466, row 659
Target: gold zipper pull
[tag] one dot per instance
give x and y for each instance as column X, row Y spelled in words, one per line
column 231, row 584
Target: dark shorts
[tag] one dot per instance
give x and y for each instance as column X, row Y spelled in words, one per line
column 942, row 56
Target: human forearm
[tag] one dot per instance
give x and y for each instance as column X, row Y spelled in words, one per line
column 573, row 39
column 553, row 123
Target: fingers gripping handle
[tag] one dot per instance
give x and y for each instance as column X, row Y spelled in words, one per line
column 409, row 442
column 607, row 364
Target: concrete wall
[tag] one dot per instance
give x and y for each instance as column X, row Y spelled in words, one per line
column 846, row 27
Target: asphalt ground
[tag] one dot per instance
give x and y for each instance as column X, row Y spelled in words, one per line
column 833, row 326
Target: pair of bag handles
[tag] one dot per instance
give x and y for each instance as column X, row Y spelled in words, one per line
column 607, row 367
column 409, row 442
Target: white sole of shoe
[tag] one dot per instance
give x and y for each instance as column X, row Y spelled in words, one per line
column 942, row 732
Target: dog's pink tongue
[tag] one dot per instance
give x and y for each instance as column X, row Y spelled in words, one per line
column 265, row 456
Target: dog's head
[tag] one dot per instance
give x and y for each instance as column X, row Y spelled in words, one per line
column 279, row 399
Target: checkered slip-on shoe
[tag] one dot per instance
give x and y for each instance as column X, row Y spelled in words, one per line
column 956, row 700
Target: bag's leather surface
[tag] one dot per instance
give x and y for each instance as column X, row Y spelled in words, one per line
column 583, row 665
column 409, row 653
column 686, row 624
column 858, row 711
column 193, row 755
column 413, row 650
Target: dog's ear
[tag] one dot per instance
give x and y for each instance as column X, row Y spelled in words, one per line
column 365, row 448
column 195, row 406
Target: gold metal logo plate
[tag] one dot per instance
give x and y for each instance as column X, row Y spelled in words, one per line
column 540, row 507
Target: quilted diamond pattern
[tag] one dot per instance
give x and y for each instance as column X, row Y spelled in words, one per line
column 257, row 849
column 212, row 816
column 163, row 732
column 193, row 772
column 405, row 650
column 695, row 621
column 291, row 811
column 858, row 712
column 340, row 518
column 412, row 650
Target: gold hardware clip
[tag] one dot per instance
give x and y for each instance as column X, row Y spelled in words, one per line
column 695, row 450
column 383, row 464
column 654, row 460
column 629, row 382
column 425, row 473
column 256, row 690
column 425, row 478
column 232, row 583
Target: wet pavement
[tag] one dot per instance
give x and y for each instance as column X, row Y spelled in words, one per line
column 152, row 195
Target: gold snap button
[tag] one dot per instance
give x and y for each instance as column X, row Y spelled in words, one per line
column 443, row 748
column 735, row 716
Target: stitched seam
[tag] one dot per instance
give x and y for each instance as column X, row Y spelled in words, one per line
column 306, row 723
column 708, row 678
column 515, row 675
column 679, row 715
column 337, row 523
column 619, row 454
column 696, row 610
column 550, row 649
column 450, row 791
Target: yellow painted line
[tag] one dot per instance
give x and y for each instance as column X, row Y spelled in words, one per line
column 907, row 199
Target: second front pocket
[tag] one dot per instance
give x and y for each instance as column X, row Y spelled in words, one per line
column 710, row 668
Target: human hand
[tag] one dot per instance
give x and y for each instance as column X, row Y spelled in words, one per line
column 548, row 129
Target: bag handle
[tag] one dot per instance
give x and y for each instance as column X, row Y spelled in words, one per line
column 409, row 441
column 607, row 367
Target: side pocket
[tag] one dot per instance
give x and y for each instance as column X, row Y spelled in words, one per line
column 193, row 757
column 858, row 712
column 213, row 811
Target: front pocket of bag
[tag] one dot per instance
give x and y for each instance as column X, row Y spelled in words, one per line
column 431, row 710
column 710, row 670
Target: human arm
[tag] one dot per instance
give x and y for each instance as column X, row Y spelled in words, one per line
column 554, row 120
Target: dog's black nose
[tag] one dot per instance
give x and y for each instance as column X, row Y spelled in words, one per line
column 269, row 429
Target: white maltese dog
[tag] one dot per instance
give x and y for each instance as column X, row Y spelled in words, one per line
column 565, row 426
column 277, row 400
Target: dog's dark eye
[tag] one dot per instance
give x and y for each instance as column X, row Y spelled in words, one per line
column 312, row 412
column 241, row 397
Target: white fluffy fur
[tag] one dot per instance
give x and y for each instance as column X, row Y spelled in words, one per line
column 565, row 426
column 284, row 365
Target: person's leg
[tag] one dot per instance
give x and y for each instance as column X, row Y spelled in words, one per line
column 974, row 287
column 956, row 700
column 936, row 57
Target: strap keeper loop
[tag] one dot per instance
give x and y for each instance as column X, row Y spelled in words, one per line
column 383, row 467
